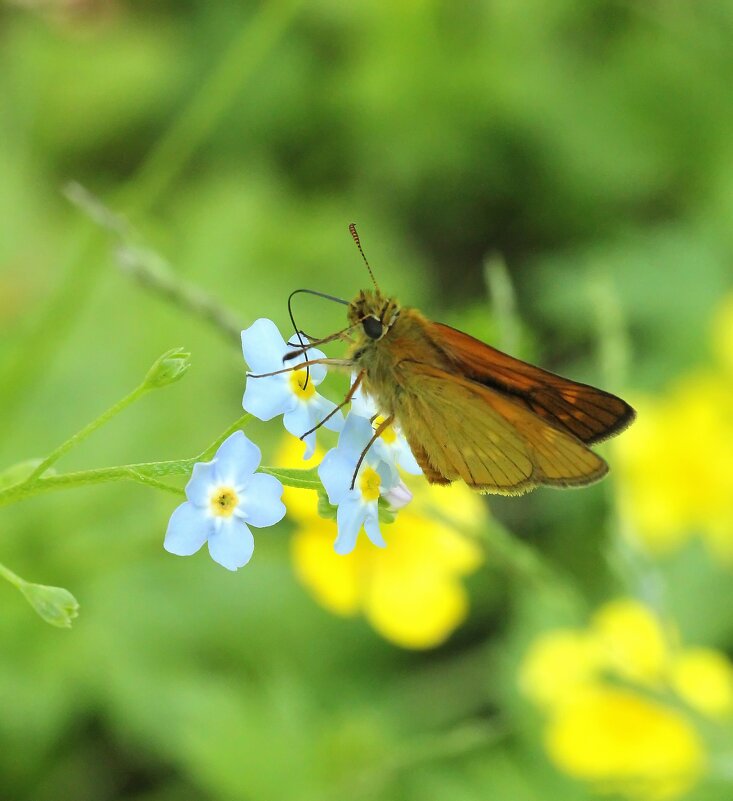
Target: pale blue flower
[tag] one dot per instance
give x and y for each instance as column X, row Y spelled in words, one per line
column 226, row 497
column 391, row 446
column 288, row 393
column 357, row 507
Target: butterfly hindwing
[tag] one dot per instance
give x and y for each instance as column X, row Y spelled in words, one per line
column 485, row 438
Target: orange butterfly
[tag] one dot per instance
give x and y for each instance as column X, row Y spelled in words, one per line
column 469, row 411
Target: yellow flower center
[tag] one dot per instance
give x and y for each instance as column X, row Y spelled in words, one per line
column 298, row 384
column 369, row 483
column 224, row 501
column 388, row 435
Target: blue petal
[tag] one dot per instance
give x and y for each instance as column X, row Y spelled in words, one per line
column 362, row 404
column 355, row 435
column 371, row 526
column 232, row 544
column 388, row 476
column 349, row 518
column 236, row 460
column 405, row 457
column 203, row 480
column 188, row 529
column 320, row 408
column 335, row 472
column 265, row 398
column 263, row 346
column 299, row 420
column 261, row 504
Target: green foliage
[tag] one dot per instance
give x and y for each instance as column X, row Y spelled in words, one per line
column 586, row 144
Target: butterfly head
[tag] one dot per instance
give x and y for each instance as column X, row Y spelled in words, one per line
column 375, row 313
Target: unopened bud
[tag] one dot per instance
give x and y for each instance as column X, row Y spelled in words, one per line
column 398, row 496
column 171, row 366
column 55, row 605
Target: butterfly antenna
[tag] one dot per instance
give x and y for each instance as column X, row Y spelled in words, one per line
column 298, row 332
column 355, row 237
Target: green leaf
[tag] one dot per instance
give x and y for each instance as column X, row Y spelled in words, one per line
column 386, row 513
column 326, row 509
column 291, row 477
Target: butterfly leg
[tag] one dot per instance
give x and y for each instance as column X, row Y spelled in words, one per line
column 331, row 362
column 377, row 433
column 347, row 399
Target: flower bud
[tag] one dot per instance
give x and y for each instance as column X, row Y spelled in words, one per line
column 398, row 496
column 171, row 366
column 55, row 605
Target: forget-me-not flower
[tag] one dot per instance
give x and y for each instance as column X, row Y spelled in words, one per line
column 226, row 497
column 289, row 393
column 391, row 446
column 357, row 507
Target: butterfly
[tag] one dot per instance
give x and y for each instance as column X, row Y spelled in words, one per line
column 470, row 412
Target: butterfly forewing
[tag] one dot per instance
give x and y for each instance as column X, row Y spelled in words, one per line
column 590, row 414
column 485, row 438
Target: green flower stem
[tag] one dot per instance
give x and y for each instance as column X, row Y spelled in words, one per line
column 56, row 605
column 9, row 576
column 147, row 473
column 80, row 436
column 144, row 473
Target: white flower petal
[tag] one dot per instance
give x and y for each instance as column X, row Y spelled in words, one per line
column 355, row 436
column 335, row 472
column 371, row 526
column 320, row 408
column 236, row 460
column 362, row 404
column 261, row 504
column 388, row 476
column 263, row 346
column 265, row 398
column 232, row 544
column 405, row 458
column 188, row 529
column 298, row 421
column 349, row 518
column 203, row 479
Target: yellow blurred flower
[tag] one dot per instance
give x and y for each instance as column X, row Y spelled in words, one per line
column 704, row 680
column 411, row 592
column 632, row 642
column 622, row 742
column 675, row 465
column 615, row 694
column 557, row 665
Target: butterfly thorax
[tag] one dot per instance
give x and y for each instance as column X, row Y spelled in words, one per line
column 385, row 335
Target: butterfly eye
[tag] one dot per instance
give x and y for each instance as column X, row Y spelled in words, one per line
column 372, row 327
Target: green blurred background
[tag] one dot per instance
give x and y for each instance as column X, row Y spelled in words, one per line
column 588, row 145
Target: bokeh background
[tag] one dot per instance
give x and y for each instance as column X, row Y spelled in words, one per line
column 555, row 177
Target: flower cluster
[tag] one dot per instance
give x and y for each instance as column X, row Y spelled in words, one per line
column 622, row 700
column 412, row 592
column 361, row 476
